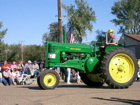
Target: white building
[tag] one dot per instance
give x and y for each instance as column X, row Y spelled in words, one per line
column 131, row 42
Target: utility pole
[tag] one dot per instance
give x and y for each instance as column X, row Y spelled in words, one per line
column 21, row 46
column 60, row 21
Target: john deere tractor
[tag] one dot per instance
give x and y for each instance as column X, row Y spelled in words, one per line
column 113, row 65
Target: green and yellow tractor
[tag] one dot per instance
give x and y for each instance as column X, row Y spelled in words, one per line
column 114, row 65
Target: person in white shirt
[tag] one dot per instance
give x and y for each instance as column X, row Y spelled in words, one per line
column 36, row 69
column 28, row 68
column 15, row 76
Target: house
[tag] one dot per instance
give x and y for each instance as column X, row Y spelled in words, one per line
column 131, row 42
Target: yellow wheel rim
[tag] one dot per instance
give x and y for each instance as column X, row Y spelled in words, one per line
column 121, row 68
column 49, row 79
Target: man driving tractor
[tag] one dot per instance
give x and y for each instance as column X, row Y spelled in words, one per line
column 112, row 40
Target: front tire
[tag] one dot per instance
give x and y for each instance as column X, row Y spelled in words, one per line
column 48, row 79
column 119, row 67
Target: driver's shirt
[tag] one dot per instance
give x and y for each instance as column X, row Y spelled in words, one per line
column 113, row 39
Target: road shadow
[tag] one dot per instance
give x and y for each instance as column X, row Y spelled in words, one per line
column 80, row 86
column 36, row 87
column 30, row 87
column 126, row 101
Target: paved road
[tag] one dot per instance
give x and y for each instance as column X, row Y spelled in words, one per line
column 73, row 94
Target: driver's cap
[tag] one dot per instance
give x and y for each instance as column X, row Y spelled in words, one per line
column 110, row 31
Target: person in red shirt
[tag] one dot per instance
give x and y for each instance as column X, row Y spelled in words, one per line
column 5, row 65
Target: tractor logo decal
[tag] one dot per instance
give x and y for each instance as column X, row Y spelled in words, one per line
column 75, row 49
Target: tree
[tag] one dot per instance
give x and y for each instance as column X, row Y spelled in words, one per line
column 12, row 53
column 46, row 37
column 81, row 18
column 101, row 35
column 128, row 16
column 31, row 52
column 34, row 53
column 53, row 35
column 3, row 32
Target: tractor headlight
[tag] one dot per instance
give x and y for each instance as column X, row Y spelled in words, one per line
column 52, row 56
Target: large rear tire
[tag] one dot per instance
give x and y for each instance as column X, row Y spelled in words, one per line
column 48, row 79
column 92, row 79
column 119, row 67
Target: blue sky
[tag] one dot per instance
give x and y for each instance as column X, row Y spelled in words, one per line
column 28, row 20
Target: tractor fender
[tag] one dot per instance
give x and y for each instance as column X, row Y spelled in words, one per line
column 110, row 47
column 92, row 65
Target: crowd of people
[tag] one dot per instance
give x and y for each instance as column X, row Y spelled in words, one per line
column 10, row 74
